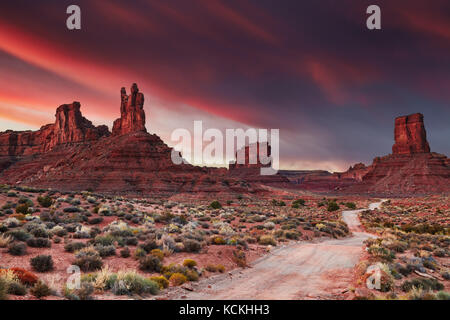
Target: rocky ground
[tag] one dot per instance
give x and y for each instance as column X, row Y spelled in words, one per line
column 136, row 248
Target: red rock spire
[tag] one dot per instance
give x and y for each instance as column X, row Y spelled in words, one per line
column 132, row 115
column 410, row 135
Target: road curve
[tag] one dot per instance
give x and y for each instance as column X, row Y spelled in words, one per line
column 321, row 270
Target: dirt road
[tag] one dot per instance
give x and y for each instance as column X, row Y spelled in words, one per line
column 321, row 270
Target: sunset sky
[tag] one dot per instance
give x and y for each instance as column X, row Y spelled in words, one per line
column 310, row 68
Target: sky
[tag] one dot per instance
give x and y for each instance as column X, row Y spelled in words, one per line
column 309, row 68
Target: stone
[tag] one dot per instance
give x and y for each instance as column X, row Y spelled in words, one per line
column 132, row 115
column 410, row 135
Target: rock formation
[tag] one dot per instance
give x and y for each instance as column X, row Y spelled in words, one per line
column 132, row 115
column 69, row 127
column 249, row 162
column 411, row 170
column 410, row 135
column 74, row 155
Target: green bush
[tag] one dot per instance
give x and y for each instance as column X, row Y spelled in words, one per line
column 3, row 289
column 177, row 279
column 39, row 243
column 88, row 259
column 74, row 246
column 161, row 281
column 191, row 245
column 125, row 252
column 297, row 203
column 40, row 290
column 351, row 205
column 105, row 251
column 17, row 289
column 17, row 249
column 215, row 205
column 150, row 264
column 424, row 284
column 190, row 263
column 22, row 208
column 45, row 201
column 132, row 283
column 42, row 263
column 332, row 206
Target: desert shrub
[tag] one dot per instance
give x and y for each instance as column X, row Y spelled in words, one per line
column 3, row 289
column 42, row 263
column 5, row 240
column 218, row 240
column 22, row 208
column 424, row 284
column 57, row 240
column 332, row 206
column 297, row 203
column 239, row 258
column 442, row 295
column 215, row 268
column 125, row 252
column 139, row 253
column 177, row 279
column 20, row 235
column 105, row 240
column 39, row 232
column 16, row 288
column 157, row 253
column 17, row 249
column 267, row 240
column 398, row 246
column 277, row 203
column 26, row 277
column 192, row 275
column 39, row 243
column 72, row 209
column 381, row 252
column 132, row 283
column 149, row 245
column 131, row 241
column 190, row 263
column 162, row 282
column 45, row 201
column 150, row 264
column 439, row 252
column 83, row 293
column 40, row 290
column 105, row 251
column 191, row 245
column 350, row 205
column 215, row 205
column 74, row 246
column 96, row 220
column 88, row 259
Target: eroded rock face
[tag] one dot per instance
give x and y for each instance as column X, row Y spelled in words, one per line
column 69, row 127
column 74, row 155
column 411, row 170
column 132, row 115
column 410, row 135
column 251, row 157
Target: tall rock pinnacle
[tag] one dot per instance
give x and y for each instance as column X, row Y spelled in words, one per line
column 132, row 115
column 410, row 135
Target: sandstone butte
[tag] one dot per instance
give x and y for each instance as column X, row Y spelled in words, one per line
column 74, row 155
column 411, row 169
